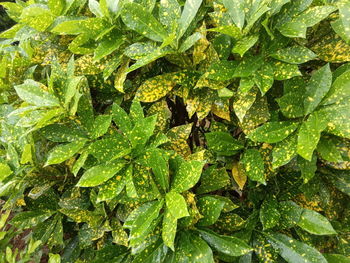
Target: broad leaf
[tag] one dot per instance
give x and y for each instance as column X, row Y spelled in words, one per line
column 315, row 223
column 223, row 143
column 99, row 174
column 138, row 18
column 176, row 205
column 294, row 251
column 317, row 88
column 228, row 245
column 309, row 134
column 34, row 93
column 63, row 152
column 273, row 132
column 294, row 55
column 253, row 165
column 187, row 175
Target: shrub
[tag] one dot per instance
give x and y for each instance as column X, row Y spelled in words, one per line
column 175, row 131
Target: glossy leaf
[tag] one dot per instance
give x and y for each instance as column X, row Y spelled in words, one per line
column 223, row 143
column 138, row 18
column 63, row 152
column 294, row 251
column 273, row 132
column 227, row 245
column 294, row 55
column 315, row 223
column 187, row 175
column 35, row 93
column 176, row 204
column 99, row 174
column 253, row 165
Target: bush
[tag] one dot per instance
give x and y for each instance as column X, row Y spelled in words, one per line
column 175, row 131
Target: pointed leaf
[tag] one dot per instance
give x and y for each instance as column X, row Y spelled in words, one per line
column 187, row 176
column 142, row 21
column 99, row 174
column 273, row 132
column 253, row 165
column 63, row 152
column 294, row 251
column 317, row 88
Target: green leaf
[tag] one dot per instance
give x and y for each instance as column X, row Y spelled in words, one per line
column 342, row 182
column 109, row 44
column 56, row 6
column 5, row 171
column 138, row 18
column 222, row 70
column 91, row 26
column 28, row 219
column 34, row 93
column 136, row 111
column 101, row 125
column 236, row 10
column 223, row 143
column 294, row 55
column 140, row 220
column 111, row 188
column 109, row 148
column 157, row 53
column 142, row 130
column 284, row 151
column 315, row 223
column 153, row 253
column 158, row 161
column 155, row 88
column 336, row 258
column 169, row 14
column 228, row 245
column 309, row 134
column 294, row 251
column 190, row 41
column 121, row 118
column 290, row 214
column 100, row 174
column 192, row 248
column 317, row 88
column 269, row 214
column 188, row 14
column 63, row 152
column 248, row 66
column 187, row 175
column 254, row 165
column 272, row 132
column 328, row 150
column 344, row 15
column 210, row 208
column 307, row 168
column 129, row 183
column 54, row 258
column 37, row 17
column 95, row 8
column 176, row 204
column 263, row 77
column 315, row 14
column 340, row 89
column 169, row 229
column 292, row 102
column 244, row 44
column 283, row 71
column 243, row 101
column 213, row 179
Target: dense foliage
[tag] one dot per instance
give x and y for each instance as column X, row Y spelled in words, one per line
column 175, row 131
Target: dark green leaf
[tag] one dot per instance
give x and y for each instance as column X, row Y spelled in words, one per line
column 294, row 251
